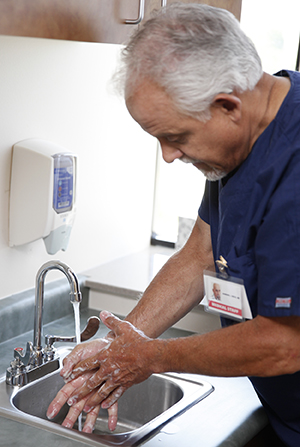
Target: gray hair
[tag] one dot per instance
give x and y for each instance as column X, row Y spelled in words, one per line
column 193, row 52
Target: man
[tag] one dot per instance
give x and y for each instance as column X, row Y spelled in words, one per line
column 216, row 291
column 193, row 80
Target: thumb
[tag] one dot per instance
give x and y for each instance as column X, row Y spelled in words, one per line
column 110, row 321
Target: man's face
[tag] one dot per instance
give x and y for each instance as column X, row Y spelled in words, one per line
column 217, row 291
column 214, row 147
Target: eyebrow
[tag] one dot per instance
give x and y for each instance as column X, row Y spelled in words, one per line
column 175, row 134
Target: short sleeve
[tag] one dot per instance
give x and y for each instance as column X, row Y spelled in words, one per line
column 277, row 248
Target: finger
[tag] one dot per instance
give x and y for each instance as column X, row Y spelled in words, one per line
column 90, row 420
column 110, row 336
column 73, row 414
column 117, row 326
column 110, row 321
column 82, row 352
column 113, row 417
column 69, row 362
column 106, row 395
column 113, row 397
column 85, row 366
column 101, row 394
column 85, row 388
column 63, row 395
column 92, row 416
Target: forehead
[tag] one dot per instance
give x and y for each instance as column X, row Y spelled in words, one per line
column 152, row 108
column 146, row 89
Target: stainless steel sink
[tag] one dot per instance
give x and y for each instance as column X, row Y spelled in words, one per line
column 143, row 409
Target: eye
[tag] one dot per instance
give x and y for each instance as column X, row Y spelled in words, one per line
column 177, row 139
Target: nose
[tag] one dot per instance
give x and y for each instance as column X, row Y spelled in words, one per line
column 170, row 153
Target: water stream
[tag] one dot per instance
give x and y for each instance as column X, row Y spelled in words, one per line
column 78, row 340
column 77, row 321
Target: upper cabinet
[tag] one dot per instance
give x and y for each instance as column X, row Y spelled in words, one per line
column 110, row 21
column 81, row 20
column 233, row 6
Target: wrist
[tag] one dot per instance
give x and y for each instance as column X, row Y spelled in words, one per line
column 159, row 356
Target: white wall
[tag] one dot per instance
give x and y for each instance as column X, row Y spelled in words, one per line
column 58, row 90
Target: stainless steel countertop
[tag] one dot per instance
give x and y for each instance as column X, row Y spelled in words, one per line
column 128, row 276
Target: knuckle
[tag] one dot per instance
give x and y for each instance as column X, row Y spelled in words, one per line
column 102, row 392
column 64, row 394
column 93, row 382
column 68, row 423
column 93, row 414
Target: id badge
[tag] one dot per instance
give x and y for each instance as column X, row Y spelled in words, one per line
column 225, row 296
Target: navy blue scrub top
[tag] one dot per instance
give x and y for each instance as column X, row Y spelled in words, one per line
column 254, row 216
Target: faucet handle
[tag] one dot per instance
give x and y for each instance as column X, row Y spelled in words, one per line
column 16, row 373
column 92, row 326
column 88, row 332
column 24, row 357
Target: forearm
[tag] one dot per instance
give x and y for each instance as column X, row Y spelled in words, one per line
column 259, row 347
column 177, row 288
column 163, row 304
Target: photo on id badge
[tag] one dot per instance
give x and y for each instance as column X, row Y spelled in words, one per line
column 223, row 296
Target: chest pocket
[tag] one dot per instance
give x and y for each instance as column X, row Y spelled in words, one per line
column 244, row 267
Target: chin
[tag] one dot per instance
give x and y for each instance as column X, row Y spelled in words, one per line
column 214, row 176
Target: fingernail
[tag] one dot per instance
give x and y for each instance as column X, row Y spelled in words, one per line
column 51, row 415
column 72, row 401
column 112, row 423
column 65, row 373
column 87, row 409
column 88, row 428
column 55, row 410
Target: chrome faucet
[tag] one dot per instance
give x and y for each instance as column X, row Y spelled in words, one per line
column 38, row 361
column 75, row 296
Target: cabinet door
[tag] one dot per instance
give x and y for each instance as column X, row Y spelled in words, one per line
column 81, row 20
column 233, row 6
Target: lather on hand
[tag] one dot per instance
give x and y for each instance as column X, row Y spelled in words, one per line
column 79, row 353
column 98, row 372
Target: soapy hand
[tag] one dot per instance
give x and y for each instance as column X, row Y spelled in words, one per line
column 82, row 352
column 119, row 365
column 79, row 353
column 99, row 372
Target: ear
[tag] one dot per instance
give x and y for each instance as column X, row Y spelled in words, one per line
column 231, row 105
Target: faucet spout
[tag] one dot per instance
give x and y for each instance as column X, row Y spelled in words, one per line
column 75, row 296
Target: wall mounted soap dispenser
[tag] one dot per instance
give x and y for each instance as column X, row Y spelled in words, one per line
column 42, row 194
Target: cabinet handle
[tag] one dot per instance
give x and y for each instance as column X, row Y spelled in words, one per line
column 163, row 3
column 141, row 14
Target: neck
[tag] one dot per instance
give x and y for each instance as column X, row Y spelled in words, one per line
column 276, row 90
column 264, row 102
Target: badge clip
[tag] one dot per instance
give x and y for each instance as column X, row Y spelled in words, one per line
column 222, row 266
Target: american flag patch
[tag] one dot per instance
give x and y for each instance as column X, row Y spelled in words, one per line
column 283, row 302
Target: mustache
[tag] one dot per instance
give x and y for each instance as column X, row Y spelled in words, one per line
column 189, row 160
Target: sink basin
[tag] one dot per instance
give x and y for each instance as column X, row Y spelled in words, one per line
column 143, row 409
